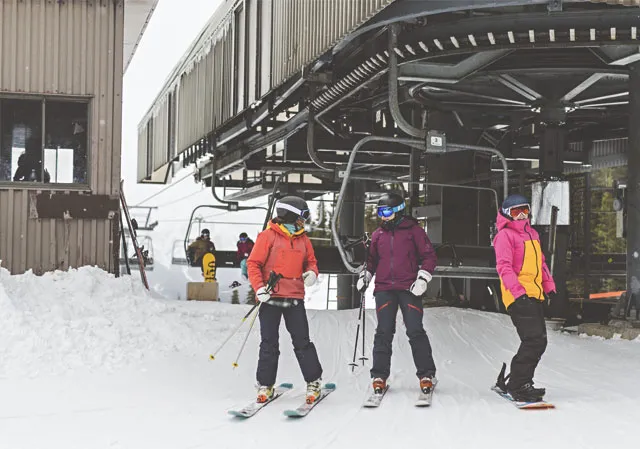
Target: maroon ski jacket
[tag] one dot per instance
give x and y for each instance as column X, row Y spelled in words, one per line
column 396, row 255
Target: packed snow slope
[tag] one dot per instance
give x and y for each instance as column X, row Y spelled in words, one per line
column 91, row 361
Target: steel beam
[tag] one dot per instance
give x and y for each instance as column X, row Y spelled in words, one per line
column 519, row 87
column 351, row 223
column 590, row 81
column 633, row 183
column 450, row 73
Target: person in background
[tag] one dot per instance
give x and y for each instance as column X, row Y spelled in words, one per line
column 201, row 246
column 244, row 245
column 525, row 280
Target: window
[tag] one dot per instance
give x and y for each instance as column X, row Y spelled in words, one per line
column 43, row 140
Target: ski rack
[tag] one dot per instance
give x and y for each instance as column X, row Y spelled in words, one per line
column 134, row 238
column 435, row 143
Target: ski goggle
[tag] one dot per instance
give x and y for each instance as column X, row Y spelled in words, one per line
column 304, row 214
column 243, row 239
column 388, row 211
column 204, row 234
column 516, row 211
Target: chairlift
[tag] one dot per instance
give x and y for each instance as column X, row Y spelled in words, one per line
column 435, row 143
column 147, row 225
column 231, row 206
column 146, row 247
column 177, row 254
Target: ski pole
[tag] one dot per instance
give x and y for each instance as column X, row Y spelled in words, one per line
column 271, row 285
column 273, row 280
column 253, row 320
column 235, row 331
column 355, row 347
column 364, row 321
column 362, row 315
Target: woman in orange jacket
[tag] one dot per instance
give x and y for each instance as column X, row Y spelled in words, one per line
column 285, row 249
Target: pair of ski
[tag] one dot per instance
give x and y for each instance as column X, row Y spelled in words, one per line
column 375, row 399
column 424, row 400
column 303, row 410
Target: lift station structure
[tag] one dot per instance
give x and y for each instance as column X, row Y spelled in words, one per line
column 459, row 102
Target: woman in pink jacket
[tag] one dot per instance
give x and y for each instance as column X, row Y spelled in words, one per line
column 525, row 280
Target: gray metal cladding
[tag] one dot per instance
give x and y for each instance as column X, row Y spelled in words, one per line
column 304, row 30
column 68, row 48
column 47, row 244
column 246, row 50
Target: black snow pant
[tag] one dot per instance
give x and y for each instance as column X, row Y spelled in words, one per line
column 527, row 316
column 387, row 303
column 295, row 319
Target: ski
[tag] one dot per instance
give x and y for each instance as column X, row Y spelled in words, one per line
column 305, row 408
column 424, row 399
column 538, row 405
column 254, row 407
column 375, row 399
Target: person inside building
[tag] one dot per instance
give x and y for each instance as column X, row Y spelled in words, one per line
column 198, row 248
column 244, row 245
column 403, row 260
column 284, row 248
column 30, row 164
column 525, row 280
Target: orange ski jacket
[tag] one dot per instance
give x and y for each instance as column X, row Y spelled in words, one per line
column 290, row 255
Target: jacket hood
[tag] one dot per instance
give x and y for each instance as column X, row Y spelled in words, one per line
column 503, row 222
column 281, row 229
column 405, row 223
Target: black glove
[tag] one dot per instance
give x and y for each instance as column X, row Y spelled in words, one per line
column 550, row 297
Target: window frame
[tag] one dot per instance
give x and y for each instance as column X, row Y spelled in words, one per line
column 51, row 186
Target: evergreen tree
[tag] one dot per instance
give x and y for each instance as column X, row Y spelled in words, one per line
column 370, row 218
column 251, row 296
column 320, row 226
column 235, row 297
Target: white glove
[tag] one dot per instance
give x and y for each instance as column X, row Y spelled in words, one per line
column 363, row 281
column 309, row 278
column 420, row 285
column 262, row 295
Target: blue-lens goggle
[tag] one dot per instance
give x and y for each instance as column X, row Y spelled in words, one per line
column 305, row 214
column 387, row 211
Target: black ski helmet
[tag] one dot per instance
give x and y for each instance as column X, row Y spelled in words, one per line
column 513, row 200
column 206, row 232
column 291, row 208
column 393, row 201
column 243, row 235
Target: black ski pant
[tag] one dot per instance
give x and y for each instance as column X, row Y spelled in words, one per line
column 387, row 303
column 527, row 316
column 295, row 319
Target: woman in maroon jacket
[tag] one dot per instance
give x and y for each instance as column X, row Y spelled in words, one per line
column 403, row 260
column 245, row 246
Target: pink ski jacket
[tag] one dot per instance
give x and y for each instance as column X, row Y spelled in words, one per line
column 520, row 262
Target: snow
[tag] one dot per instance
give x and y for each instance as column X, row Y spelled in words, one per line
column 92, row 361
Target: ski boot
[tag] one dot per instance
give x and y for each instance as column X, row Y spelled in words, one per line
column 527, row 393
column 379, row 385
column 313, row 390
column 265, row 393
column 427, row 384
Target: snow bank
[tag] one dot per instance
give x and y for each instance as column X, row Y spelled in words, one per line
column 87, row 318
